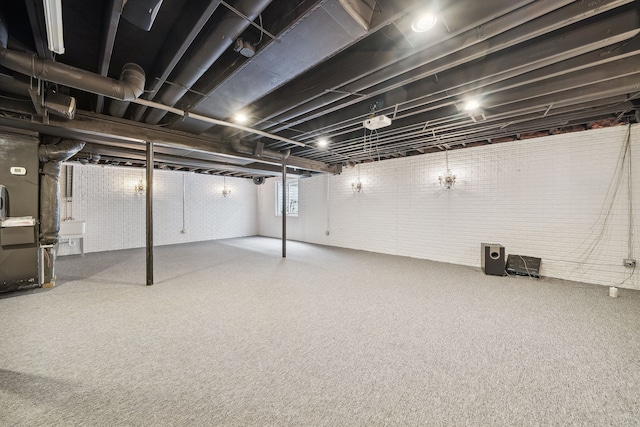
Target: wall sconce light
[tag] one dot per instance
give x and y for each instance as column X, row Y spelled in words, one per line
column 357, row 185
column 140, row 187
column 448, row 179
column 225, row 191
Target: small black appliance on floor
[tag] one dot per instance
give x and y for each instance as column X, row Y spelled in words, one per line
column 492, row 255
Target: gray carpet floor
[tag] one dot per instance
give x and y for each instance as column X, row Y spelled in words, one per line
column 232, row 334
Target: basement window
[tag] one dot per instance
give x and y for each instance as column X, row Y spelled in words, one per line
column 292, row 198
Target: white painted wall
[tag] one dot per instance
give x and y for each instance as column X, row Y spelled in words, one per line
column 549, row 197
column 104, row 197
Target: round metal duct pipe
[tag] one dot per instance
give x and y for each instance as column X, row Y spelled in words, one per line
column 207, row 52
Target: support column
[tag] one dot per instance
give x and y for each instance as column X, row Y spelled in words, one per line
column 284, row 209
column 149, row 210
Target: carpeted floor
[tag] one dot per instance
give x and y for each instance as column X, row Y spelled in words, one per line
column 232, row 334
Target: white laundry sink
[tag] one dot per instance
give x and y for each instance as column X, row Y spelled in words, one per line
column 72, row 229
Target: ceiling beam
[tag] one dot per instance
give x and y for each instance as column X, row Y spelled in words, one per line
column 503, row 32
column 36, row 19
column 128, row 154
column 189, row 24
column 112, row 11
column 96, row 126
column 576, row 48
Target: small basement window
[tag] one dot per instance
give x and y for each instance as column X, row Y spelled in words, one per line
column 292, row 198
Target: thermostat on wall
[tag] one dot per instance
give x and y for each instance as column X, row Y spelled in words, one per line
column 18, row 170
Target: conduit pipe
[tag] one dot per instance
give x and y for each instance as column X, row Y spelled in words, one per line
column 211, row 120
column 206, row 53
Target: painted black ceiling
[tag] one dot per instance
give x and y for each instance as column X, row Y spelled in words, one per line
column 321, row 68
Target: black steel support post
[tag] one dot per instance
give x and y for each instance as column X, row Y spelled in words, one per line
column 149, row 213
column 284, row 209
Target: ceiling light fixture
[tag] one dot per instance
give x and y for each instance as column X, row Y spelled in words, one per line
column 323, row 142
column 424, row 22
column 448, row 179
column 240, row 118
column 473, row 108
column 53, row 21
column 471, row 105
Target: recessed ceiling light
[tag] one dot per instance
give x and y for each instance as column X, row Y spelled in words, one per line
column 471, row 105
column 323, row 142
column 424, row 22
column 240, row 118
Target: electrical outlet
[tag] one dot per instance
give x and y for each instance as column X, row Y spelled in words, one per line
column 326, row 233
column 628, row 262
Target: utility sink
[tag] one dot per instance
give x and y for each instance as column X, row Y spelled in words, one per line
column 72, row 228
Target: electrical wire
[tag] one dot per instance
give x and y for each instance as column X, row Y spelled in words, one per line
column 633, row 271
column 47, row 257
column 608, row 204
column 261, row 32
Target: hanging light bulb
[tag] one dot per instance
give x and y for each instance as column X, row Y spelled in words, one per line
column 448, row 179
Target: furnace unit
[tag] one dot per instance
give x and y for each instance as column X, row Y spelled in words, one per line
column 19, row 195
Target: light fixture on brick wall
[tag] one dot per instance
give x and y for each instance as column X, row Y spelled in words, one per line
column 140, row 187
column 448, row 179
column 357, row 185
column 225, row 191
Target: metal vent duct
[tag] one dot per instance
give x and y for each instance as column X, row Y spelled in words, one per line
column 205, row 54
column 319, row 34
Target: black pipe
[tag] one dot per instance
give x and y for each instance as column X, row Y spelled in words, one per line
column 149, row 210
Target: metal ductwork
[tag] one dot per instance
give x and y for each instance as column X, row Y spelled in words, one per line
column 117, row 107
column 206, row 54
column 51, row 156
column 315, row 36
column 258, row 150
column 129, row 87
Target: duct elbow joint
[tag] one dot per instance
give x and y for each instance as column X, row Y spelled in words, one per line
column 132, row 79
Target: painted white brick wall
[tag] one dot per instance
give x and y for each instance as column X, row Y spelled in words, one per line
column 104, row 197
column 549, row 197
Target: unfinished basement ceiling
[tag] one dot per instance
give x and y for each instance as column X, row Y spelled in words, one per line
column 305, row 70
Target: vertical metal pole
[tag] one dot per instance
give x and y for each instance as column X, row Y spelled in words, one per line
column 630, row 194
column 149, row 213
column 284, row 209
